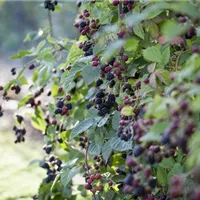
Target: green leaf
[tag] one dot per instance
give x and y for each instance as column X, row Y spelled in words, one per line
column 54, row 182
column 22, row 80
column 41, row 45
column 152, row 28
column 138, row 30
column 67, row 175
column 54, row 90
column 21, row 54
column 24, row 101
column 74, row 53
column 127, row 110
column 90, row 74
column 66, row 79
column 166, row 55
column 82, row 126
column 120, row 145
column 37, row 120
column 115, row 120
column 131, row 44
column 99, row 49
column 106, row 151
column 109, row 195
column 163, row 76
column 161, row 176
column 159, row 127
column 51, row 40
column 70, row 163
column 149, row 137
column 113, row 48
column 103, row 121
column 167, row 163
column 46, row 56
column 177, row 169
column 170, row 29
column 94, row 148
column 153, row 54
column 35, row 75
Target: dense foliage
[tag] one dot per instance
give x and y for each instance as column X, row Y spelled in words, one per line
column 125, row 106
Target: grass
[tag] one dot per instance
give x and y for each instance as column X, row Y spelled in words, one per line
column 20, row 175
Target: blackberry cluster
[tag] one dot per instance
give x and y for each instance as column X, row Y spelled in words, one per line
column 87, row 26
column 48, row 4
column 20, row 133
column 124, row 131
column 87, row 47
column 63, row 106
column 53, row 167
column 13, row 71
column 139, row 181
column 83, row 141
column 171, row 136
column 104, row 103
column 114, row 69
column 16, row 88
column 93, row 183
column 48, row 149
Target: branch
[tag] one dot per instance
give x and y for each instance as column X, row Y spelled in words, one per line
column 50, row 22
column 86, row 162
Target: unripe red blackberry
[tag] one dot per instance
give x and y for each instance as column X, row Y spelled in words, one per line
column 60, row 89
column 116, row 2
column 130, row 162
column 195, row 49
column 31, row 67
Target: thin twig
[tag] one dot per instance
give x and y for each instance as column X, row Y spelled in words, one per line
column 50, row 22
column 177, row 60
column 86, row 162
column 86, row 165
column 119, row 9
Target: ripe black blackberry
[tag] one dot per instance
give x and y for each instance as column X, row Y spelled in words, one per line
column 111, row 83
column 50, row 178
column 69, row 106
column 139, row 191
column 88, row 106
column 100, row 94
column 98, row 100
column 57, row 111
column 109, row 76
column 111, row 98
column 19, row 118
column 125, row 10
column 111, row 62
column 129, row 179
column 99, row 82
column 45, row 165
column 59, row 104
column 13, row 71
column 48, row 4
column 20, row 133
column 138, row 150
column 126, row 86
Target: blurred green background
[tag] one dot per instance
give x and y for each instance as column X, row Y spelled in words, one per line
column 20, row 175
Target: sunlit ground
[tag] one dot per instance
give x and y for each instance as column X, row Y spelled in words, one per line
column 20, row 175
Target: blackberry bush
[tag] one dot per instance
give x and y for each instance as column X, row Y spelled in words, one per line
column 123, row 104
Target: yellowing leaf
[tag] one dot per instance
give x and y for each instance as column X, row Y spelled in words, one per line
column 127, row 110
